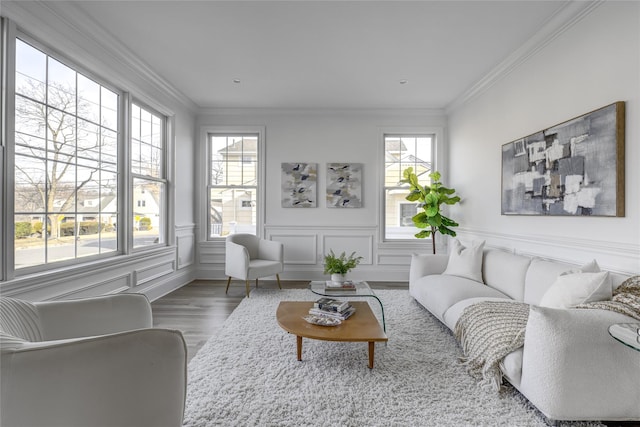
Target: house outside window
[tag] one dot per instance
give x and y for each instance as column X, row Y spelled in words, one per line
column 149, row 179
column 232, row 188
column 400, row 152
column 65, row 163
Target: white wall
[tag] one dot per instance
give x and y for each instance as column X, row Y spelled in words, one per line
column 323, row 137
column 591, row 64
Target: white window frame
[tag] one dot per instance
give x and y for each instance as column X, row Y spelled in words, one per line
column 438, row 163
column 162, row 179
column 203, row 170
column 10, row 32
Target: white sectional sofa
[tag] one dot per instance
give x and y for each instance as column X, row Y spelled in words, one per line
column 569, row 367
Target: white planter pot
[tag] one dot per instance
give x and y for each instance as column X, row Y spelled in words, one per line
column 338, row 278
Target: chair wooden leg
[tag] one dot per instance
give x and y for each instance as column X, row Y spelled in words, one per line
column 247, row 284
column 228, row 283
column 256, row 282
column 278, row 279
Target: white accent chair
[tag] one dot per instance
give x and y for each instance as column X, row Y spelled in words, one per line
column 249, row 257
column 89, row 362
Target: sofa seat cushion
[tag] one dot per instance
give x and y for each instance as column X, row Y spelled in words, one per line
column 439, row 292
column 453, row 313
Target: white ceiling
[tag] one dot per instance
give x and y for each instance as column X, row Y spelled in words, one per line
column 322, row 54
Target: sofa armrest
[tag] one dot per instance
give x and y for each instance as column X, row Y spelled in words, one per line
column 573, row 369
column 94, row 316
column 426, row 264
column 135, row 378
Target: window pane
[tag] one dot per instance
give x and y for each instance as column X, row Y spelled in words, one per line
column 109, row 110
column 148, row 204
column 31, row 71
column 30, row 117
column 232, row 211
column 29, row 240
column 88, row 99
column 29, row 184
column 59, row 149
column 147, row 148
column 61, row 135
column 233, row 171
column 61, row 87
column 402, row 152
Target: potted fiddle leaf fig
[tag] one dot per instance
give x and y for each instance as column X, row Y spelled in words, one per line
column 338, row 266
column 430, row 219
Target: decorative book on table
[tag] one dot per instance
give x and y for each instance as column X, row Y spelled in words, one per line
column 333, row 308
column 330, row 304
column 331, row 286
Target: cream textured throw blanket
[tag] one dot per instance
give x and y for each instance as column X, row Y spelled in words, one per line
column 487, row 332
column 626, row 299
column 490, row 330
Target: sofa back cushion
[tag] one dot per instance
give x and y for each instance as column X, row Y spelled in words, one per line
column 505, row 272
column 540, row 276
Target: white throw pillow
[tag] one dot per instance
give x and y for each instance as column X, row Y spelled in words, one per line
column 570, row 290
column 465, row 261
column 590, row 267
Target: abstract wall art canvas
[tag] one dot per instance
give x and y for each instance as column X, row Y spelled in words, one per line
column 299, row 185
column 575, row 168
column 344, row 185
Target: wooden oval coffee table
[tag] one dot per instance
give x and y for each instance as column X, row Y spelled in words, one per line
column 362, row 326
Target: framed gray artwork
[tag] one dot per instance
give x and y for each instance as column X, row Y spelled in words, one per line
column 575, row 168
column 299, row 185
column 344, row 185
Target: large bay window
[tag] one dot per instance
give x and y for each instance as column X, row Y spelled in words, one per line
column 64, row 164
column 66, row 154
column 400, row 152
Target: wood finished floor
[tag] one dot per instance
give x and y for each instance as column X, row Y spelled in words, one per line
column 200, row 308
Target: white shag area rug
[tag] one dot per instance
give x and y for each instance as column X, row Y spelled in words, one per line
column 249, row 375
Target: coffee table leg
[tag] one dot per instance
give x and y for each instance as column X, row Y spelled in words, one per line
column 372, row 346
column 299, row 346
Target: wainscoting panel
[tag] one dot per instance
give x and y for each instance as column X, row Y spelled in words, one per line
column 212, row 252
column 389, row 259
column 186, row 250
column 615, row 257
column 298, row 248
column 348, row 243
column 145, row 275
column 112, row 286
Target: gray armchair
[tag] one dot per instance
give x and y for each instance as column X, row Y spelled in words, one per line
column 89, row 362
column 248, row 257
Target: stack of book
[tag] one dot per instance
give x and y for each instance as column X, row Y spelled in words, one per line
column 332, row 308
column 339, row 286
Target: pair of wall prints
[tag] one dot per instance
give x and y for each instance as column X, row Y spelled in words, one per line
column 575, row 168
column 343, row 190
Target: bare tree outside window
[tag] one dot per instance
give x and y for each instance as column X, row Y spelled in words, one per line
column 65, row 161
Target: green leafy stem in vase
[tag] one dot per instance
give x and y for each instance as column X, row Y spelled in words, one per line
column 340, row 264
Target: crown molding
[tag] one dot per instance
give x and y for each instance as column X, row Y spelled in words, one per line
column 565, row 18
column 88, row 43
column 419, row 112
